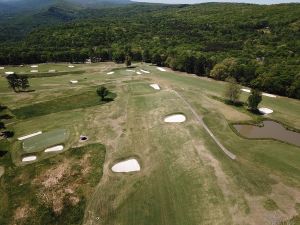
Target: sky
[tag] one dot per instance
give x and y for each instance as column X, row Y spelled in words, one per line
column 201, row 1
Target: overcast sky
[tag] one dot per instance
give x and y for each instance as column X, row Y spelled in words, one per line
column 201, row 1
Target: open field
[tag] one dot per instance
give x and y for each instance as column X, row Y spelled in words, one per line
column 185, row 177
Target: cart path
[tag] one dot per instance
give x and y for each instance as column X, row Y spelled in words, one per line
column 201, row 122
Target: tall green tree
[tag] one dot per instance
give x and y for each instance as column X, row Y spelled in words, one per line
column 254, row 99
column 128, row 61
column 13, row 82
column 233, row 90
column 102, row 91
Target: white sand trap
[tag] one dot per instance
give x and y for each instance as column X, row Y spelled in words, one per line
column 29, row 136
column 54, row 149
column 52, row 71
column 73, row 81
column 131, row 71
column 34, row 66
column 161, row 69
column 109, row 73
column 139, row 73
column 176, row 118
column 269, row 95
column 127, row 166
column 29, row 158
column 155, row 86
column 265, row 110
column 2, row 68
column 9, row 73
column 246, row 90
column 34, row 71
column 145, row 71
column 71, row 66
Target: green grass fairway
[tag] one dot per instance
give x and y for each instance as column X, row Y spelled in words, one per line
column 185, row 178
column 83, row 100
column 45, row 140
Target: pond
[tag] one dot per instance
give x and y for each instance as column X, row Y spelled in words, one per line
column 270, row 129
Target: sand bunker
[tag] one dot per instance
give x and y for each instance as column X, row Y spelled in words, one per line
column 54, row 149
column 264, row 94
column 34, row 71
column 71, row 66
column 176, row 118
column 52, row 71
column 2, row 68
column 83, row 138
column 109, row 73
column 161, row 69
column 9, row 73
column 155, row 86
column 127, row 166
column 29, row 158
column 145, row 71
column 139, row 73
column 29, row 136
column 269, row 95
column 246, row 90
column 73, row 81
column 265, row 110
column 34, row 66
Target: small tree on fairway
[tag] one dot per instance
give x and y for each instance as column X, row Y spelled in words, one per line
column 102, row 92
column 233, row 90
column 23, row 82
column 128, row 61
column 254, row 99
column 12, row 80
column 17, row 82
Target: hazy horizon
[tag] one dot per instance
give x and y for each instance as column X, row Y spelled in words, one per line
column 262, row 2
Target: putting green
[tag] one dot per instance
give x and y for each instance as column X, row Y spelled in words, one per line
column 45, row 140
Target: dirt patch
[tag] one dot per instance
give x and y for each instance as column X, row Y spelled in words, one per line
column 53, row 176
column 22, row 213
column 56, row 188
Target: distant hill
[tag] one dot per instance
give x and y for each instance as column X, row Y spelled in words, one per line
column 15, row 6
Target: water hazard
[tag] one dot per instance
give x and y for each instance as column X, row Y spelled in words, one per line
column 270, row 129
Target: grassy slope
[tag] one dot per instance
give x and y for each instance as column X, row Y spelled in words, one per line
column 23, row 187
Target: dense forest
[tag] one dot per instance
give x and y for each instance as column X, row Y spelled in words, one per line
column 258, row 45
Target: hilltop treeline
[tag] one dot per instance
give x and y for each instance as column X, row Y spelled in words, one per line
column 258, row 45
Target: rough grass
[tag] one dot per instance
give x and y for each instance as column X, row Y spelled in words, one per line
column 83, row 100
column 25, row 199
column 270, row 205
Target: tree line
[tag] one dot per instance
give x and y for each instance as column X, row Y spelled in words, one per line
column 258, row 47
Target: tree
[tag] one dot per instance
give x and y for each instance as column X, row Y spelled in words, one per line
column 13, row 81
column 254, row 99
column 227, row 68
column 146, row 56
column 17, row 82
column 156, row 59
column 23, row 82
column 128, row 61
column 233, row 90
column 102, row 92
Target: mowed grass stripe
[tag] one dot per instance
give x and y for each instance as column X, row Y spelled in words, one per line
column 45, row 140
column 83, row 100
